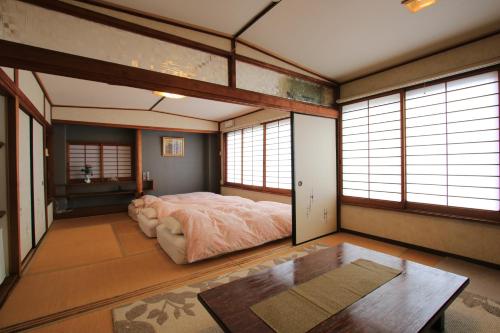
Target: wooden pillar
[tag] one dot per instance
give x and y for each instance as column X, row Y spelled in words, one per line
column 13, row 187
column 138, row 161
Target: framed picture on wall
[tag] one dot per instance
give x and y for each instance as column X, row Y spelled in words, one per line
column 172, row 147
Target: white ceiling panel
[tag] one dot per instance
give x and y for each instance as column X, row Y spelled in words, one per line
column 75, row 92
column 344, row 39
column 203, row 108
column 226, row 16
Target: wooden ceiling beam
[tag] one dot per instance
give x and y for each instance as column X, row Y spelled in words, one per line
column 52, row 62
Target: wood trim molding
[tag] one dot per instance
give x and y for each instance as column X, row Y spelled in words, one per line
column 286, row 61
column 13, row 188
column 156, row 104
column 93, row 16
column 427, row 55
column 42, row 86
column 472, row 215
column 284, row 71
column 285, row 193
column 138, row 161
column 12, row 87
column 243, row 115
column 132, row 109
column 152, row 128
column 254, row 19
column 157, row 18
column 234, row 39
column 421, row 248
column 58, row 63
column 6, row 287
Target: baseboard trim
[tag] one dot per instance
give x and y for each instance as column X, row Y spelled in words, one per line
column 6, row 287
column 422, row 248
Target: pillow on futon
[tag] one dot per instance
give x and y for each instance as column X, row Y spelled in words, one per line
column 171, row 224
column 150, row 213
column 138, row 203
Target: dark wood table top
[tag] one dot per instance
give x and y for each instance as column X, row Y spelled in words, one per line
column 411, row 302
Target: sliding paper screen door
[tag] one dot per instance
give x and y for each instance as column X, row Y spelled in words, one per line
column 315, row 177
column 4, row 235
column 38, row 182
column 25, row 217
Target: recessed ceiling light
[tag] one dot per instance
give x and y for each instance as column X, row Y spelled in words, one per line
column 168, row 95
column 416, row 5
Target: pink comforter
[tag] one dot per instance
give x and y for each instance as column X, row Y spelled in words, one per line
column 214, row 225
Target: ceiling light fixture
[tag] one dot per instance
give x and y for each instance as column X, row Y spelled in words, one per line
column 168, row 95
column 417, row 5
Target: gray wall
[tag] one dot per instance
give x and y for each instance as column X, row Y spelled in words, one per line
column 196, row 171
column 64, row 133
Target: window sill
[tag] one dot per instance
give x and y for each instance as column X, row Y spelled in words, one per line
column 466, row 214
column 287, row 193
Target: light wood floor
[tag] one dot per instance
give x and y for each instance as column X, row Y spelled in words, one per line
column 85, row 267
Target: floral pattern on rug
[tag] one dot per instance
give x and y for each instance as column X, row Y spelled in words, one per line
column 180, row 311
column 174, row 311
column 472, row 300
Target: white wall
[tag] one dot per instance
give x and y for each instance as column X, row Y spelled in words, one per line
column 9, row 72
column 48, row 111
column 254, row 118
column 475, row 55
column 30, row 87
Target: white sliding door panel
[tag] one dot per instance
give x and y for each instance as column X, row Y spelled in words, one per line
column 25, row 219
column 315, row 177
column 4, row 236
column 38, row 182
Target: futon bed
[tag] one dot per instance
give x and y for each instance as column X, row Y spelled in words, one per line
column 195, row 226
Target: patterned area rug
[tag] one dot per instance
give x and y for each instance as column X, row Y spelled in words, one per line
column 179, row 310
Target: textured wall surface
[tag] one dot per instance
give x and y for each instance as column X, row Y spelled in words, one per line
column 173, row 175
column 466, row 238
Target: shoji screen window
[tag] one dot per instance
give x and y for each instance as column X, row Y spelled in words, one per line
column 117, row 162
column 452, row 143
column 371, row 149
column 253, row 155
column 279, row 155
column 81, row 155
column 233, row 157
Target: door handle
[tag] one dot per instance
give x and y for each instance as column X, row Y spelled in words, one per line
column 300, row 183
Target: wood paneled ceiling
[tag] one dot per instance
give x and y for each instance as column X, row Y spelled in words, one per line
column 337, row 38
column 65, row 91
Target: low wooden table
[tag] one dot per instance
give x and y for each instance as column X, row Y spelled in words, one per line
column 413, row 301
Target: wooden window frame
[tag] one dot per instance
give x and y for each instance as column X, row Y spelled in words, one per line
column 101, row 179
column 262, row 188
column 468, row 214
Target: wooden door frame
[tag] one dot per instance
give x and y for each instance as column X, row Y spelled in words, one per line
column 12, row 151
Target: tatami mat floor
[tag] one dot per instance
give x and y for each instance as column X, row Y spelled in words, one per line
column 87, row 266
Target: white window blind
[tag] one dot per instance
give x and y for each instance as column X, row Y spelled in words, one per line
column 452, row 143
column 80, row 155
column 279, row 154
column 233, row 157
column 253, row 155
column 117, row 161
column 371, row 149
